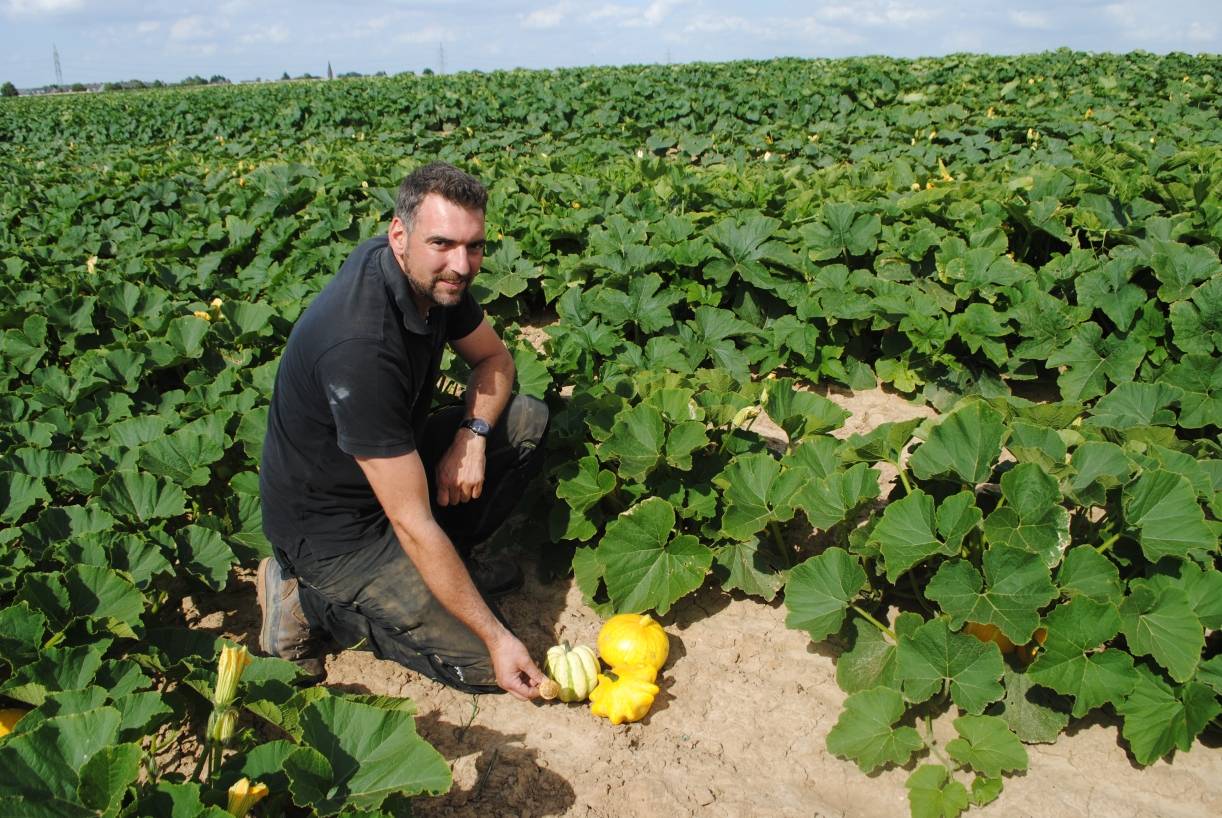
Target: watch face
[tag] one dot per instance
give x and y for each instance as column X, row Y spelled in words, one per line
column 480, row 427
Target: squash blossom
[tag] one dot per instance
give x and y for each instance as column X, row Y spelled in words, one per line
column 224, row 718
column 243, row 795
column 234, row 660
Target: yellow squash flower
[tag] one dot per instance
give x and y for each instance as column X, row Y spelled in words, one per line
column 243, row 795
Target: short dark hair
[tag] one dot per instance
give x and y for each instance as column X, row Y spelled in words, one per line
column 446, row 181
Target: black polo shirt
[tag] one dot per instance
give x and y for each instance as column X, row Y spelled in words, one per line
column 355, row 379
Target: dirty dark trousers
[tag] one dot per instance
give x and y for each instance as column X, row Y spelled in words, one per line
column 374, row 597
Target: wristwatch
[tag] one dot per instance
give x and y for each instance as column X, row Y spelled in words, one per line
column 477, row 425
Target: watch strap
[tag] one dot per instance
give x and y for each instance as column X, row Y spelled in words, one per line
column 479, row 426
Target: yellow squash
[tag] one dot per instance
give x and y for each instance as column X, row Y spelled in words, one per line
column 574, row 669
column 9, row 717
column 625, row 693
column 633, row 639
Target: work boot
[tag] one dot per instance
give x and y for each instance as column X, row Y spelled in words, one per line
column 286, row 632
column 496, row 576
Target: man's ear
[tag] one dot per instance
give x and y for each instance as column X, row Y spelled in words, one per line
column 397, row 234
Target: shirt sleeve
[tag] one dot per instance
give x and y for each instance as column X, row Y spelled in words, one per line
column 370, row 396
column 462, row 319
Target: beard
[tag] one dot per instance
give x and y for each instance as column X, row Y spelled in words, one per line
column 437, row 295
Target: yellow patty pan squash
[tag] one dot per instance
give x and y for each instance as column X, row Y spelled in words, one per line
column 625, row 693
column 9, row 717
column 574, row 669
column 633, row 639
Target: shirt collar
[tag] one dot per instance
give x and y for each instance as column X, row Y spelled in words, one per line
column 396, row 282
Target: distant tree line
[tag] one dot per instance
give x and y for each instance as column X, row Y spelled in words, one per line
column 10, row 90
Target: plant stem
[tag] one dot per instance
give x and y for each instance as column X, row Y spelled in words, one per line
column 920, row 598
column 1106, row 545
column 903, row 478
column 774, row 529
column 866, row 616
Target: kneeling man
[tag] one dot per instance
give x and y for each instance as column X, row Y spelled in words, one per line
column 372, row 501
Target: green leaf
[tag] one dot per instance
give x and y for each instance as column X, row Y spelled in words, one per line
column 645, row 568
column 985, row 790
column 820, row 590
column 800, row 413
column 582, row 484
column 636, row 441
column 987, row 746
column 56, row 669
column 1086, row 572
column 865, row 733
column 1136, row 404
column 1034, row 713
column 751, row 567
column 142, row 497
column 908, row 532
column 933, row 657
column 22, row 628
column 1092, row 362
column 1098, row 466
column 870, row 661
column 373, row 753
column 933, row 793
column 1159, row 719
column 1069, row 662
column 1179, row 267
column 533, row 378
column 758, row 490
column 885, row 442
column 1032, row 518
column 967, row 442
column 205, row 555
column 183, row 457
column 829, row 501
column 1163, row 507
column 100, row 593
column 47, row 764
column 106, row 776
column 1162, row 624
column 1031, row 443
column 18, row 492
column 1017, row 586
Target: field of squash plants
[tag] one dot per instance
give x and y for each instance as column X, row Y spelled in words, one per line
column 1030, row 245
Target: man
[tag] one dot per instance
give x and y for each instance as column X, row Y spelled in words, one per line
column 372, row 502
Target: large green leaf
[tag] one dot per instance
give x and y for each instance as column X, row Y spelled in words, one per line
column 1159, row 718
column 870, row 660
column 986, row 745
column 141, row 497
column 909, row 532
column 1086, row 572
column 934, row 658
column 865, row 731
column 966, row 443
column 1091, row 361
column 758, row 490
column 372, row 753
column 1032, row 518
column 636, row 441
column 820, row 590
column 1032, row 712
column 934, row 793
column 1070, row 663
column 1016, row 585
column 800, row 413
column 751, row 567
column 1163, row 508
column 1160, row 622
column 648, row 566
column 830, row 500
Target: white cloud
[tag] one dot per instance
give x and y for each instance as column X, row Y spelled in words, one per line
column 272, row 34
column 1030, row 19
column 547, row 17
column 658, row 10
column 36, row 7
column 428, row 34
column 878, row 12
column 147, row 26
column 191, row 29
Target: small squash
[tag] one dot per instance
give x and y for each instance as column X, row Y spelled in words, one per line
column 574, row 669
column 633, row 639
column 989, row 633
column 9, row 716
column 625, row 693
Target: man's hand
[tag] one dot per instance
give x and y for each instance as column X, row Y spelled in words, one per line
column 460, row 474
column 516, row 673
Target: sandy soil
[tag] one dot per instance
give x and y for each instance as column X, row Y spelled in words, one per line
column 739, row 729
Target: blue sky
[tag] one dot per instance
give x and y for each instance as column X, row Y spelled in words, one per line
column 101, row 40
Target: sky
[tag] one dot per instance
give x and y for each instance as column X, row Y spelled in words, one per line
column 112, row 40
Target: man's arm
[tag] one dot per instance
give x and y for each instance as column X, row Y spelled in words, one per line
column 402, row 488
column 460, row 472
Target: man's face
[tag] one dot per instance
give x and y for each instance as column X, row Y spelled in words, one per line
column 442, row 253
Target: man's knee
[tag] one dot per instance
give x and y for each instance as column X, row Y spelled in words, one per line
column 527, row 422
